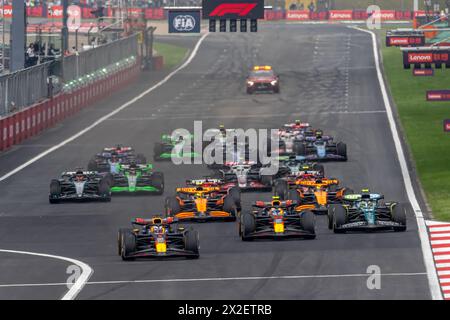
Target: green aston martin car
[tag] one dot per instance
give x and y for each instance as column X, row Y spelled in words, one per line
column 137, row 178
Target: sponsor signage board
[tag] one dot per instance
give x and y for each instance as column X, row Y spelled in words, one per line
column 404, row 41
column 341, row 15
column 447, row 125
column 423, row 72
column 438, row 95
column 233, row 9
column 297, row 15
column 184, row 21
column 438, row 57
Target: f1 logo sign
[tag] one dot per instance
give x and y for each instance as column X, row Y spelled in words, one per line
column 241, row 9
column 233, row 9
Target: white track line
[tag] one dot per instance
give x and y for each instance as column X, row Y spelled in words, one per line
column 356, row 275
column 79, row 283
column 435, row 289
column 102, row 119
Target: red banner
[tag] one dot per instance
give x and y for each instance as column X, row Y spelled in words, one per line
column 154, row 14
column 341, row 15
column 7, row 13
column 297, row 15
column 34, row 11
column 55, row 12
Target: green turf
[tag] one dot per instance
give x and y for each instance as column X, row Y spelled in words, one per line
column 423, row 124
column 173, row 55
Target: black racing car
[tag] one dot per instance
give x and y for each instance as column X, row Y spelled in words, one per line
column 157, row 238
column 109, row 158
column 79, row 186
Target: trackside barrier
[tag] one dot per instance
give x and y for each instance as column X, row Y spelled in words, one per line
column 19, row 126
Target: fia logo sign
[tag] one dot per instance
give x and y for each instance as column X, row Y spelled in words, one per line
column 184, row 23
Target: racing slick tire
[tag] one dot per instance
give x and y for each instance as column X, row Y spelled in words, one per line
column 109, row 178
column 55, row 191
column 92, row 165
column 104, row 190
column 172, row 206
column 120, row 234
column 339, row 218
column 158, row 182
column 235, row 194
column 294, row 195
column 398, row 214
column 249, row 91
column 229, row 206
column 276, row 90
column 281, row 189
column 128, row 245
column 141, row 159
column 267, row 180
column 248, row 226
column 300, row 149
column 307, row 221
column 341, row 150
column 320, row 168
column 157, row 151
column 330, row 216
column 191, row 243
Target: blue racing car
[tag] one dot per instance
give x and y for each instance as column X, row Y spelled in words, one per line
column 321, row 148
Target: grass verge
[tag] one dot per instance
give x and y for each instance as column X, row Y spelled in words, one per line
column 423, row 125
column 173, row 55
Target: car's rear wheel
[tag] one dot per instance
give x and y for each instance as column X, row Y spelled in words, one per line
column 104, row 190
column 267, row 180
column 281, row 189
column 92, row 165
column 158, row 149
column 235, row 194
column 300, row 148
column 398, row 215
column 172, row 206
column 191, row 243
column 307, row 221
column 341, row 150
column 141, row 159
column 230, row 206
column 120, row 234
column 320, row 168
column 294, row 195
column 158, row 182
column 248, row 226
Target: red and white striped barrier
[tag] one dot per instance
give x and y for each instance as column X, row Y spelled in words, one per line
column 440, row 245
column 32, row 120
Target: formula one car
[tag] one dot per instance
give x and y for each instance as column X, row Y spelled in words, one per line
column 225, row 188
column 79, row 186
column 263, row 78
column 198, row 204
column 156, row 238
column 320, row 192
column 169, row 148
column 247, row 175
column 137, row 178
column 277, row 219
column 321, row 148
column 365, row 212
column 110, row 158
column 294, row 167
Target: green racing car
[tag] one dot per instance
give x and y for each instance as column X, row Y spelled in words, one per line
column 137, row 178
column 169, row 148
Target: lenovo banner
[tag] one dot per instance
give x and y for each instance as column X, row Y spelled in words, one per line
column 423, row 72
column 341, row 15
column 297, row 15
column 404, row 41
column 431, row 56
column 438, row 95
column 233, row 9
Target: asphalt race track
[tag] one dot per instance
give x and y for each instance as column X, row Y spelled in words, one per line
column 328, row 78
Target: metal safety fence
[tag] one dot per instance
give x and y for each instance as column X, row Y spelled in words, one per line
column 89, row 61
column 23, row 88
column 29, row 86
